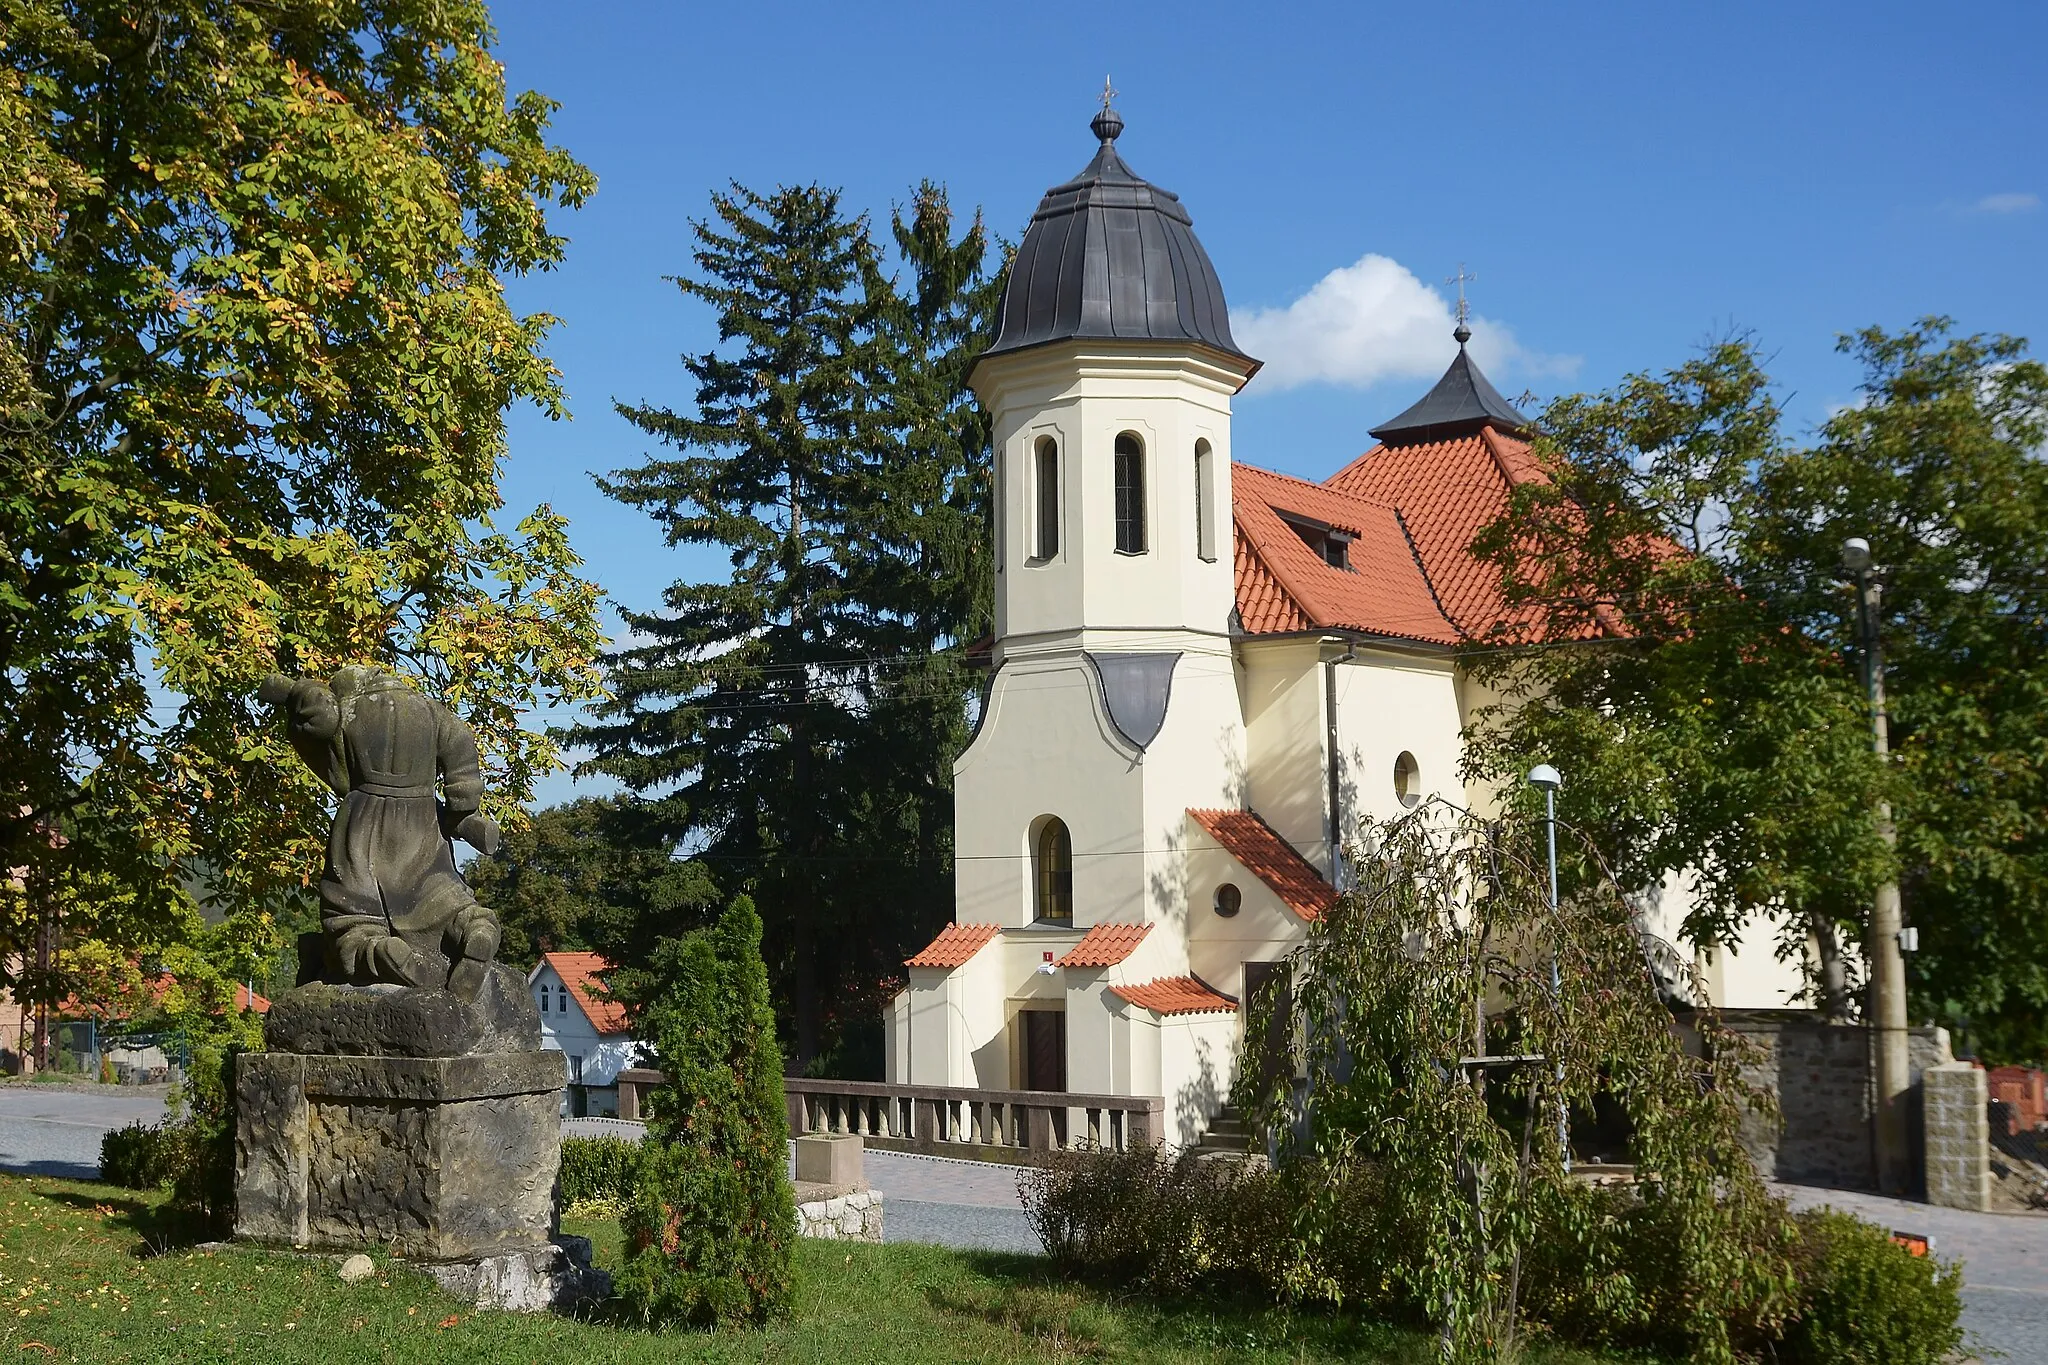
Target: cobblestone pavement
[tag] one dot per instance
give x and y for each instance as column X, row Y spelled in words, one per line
column 50, row 1130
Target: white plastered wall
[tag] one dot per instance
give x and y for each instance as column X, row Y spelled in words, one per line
column 1286, row 742
column 1389, row 704
column 1197, row 1063
column 1263, row 930
column 957, row 1033
column 1082, row 396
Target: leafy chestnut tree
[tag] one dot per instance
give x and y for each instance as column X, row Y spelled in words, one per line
column 255, row 355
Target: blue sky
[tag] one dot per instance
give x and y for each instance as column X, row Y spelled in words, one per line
column 1625, row 182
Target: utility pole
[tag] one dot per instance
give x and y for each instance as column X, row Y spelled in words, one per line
column 1886, row 1018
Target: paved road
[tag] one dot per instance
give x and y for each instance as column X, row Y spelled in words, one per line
column 52, row 1130
column 45, row 1130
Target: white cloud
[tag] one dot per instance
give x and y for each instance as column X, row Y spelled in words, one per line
column 2007, row 203
column 1374, row 320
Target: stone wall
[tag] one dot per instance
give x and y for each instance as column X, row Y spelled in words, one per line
column 1956, row 1102
column 1820, row 1075
column 837, row 1213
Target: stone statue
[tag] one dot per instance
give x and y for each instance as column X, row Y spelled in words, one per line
column 403, row 1099
column 393, row 906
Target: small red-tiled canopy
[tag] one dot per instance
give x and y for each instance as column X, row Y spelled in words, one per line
column 1270, row 858
column 954, row 945
column 1177, row 995
column 1105, row 945
column 583, row 974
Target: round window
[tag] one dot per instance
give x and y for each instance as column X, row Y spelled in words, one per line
column 1228, row 899
column 1407, row 779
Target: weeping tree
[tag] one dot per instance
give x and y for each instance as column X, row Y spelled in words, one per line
column 1443, row 1016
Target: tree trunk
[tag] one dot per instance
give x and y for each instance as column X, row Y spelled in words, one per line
column 1833, row 980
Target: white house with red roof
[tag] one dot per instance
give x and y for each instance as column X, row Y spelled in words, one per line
column 1205, row 673
column 578, row 1019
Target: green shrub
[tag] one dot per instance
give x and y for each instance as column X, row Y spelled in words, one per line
column 709, row 1227
column 598, row 1168
column 1604, row 1268
column 1865, row 1300
column 138, row 1157
column 1178, row 1224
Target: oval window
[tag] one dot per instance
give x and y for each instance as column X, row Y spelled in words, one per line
column 1229, row 900
column 1407, row 779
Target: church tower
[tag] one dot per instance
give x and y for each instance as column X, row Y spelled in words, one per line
column 1113, row 708
column 1110, row 381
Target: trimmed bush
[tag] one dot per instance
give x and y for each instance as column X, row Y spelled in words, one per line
column 598, row 1168
column 138, row 1157
column 709, row 1227
column 1865, row 1300
column 1178, row 1225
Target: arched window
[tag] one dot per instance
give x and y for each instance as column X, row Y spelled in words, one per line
column 1130, row 494
column 1205, row 502
column 1053, row 861
column 1046, row 470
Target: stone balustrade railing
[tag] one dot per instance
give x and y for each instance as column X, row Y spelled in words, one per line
column 960, row 1121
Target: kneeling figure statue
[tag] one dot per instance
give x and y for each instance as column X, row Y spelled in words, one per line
column 393, row 906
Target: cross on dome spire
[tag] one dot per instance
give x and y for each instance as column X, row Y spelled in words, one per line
column 1463, row 331
column 1107, row 123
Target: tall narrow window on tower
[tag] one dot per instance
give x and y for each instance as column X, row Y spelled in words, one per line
column 1047, row 472
column 1130, row 494
column 1052, row 857
column 1205, row 502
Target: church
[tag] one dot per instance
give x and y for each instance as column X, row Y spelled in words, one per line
column 1205, row 674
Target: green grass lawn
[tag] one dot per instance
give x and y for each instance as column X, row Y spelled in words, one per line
column 85, row 1275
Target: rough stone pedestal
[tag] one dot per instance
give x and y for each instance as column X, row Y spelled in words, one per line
column 431, row 1158
column 558, row 1275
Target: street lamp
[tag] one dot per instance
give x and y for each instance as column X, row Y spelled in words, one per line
column 1882, row 944
column 1547, row 780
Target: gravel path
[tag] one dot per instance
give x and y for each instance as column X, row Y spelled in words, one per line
column 51, row 1130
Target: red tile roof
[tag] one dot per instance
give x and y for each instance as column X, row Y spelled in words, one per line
column 1270, row 858
column 1449, row 491
column 583, row 974
column 1383, row 592
column 1177, row 995
column 954, row 945
column 1105, row 945
column 1263, row 606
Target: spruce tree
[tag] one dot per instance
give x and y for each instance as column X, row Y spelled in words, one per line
column 794, row 727
column 711, row 1220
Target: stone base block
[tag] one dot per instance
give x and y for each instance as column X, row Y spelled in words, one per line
column 432, row 1159
column 829, row 1158
column 836, row 1214
column 556, row 1276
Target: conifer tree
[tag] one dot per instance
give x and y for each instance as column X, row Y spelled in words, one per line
column 709, row 1227
column 796, row 725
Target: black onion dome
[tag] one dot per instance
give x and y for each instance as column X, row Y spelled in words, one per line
column 1109, row 256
